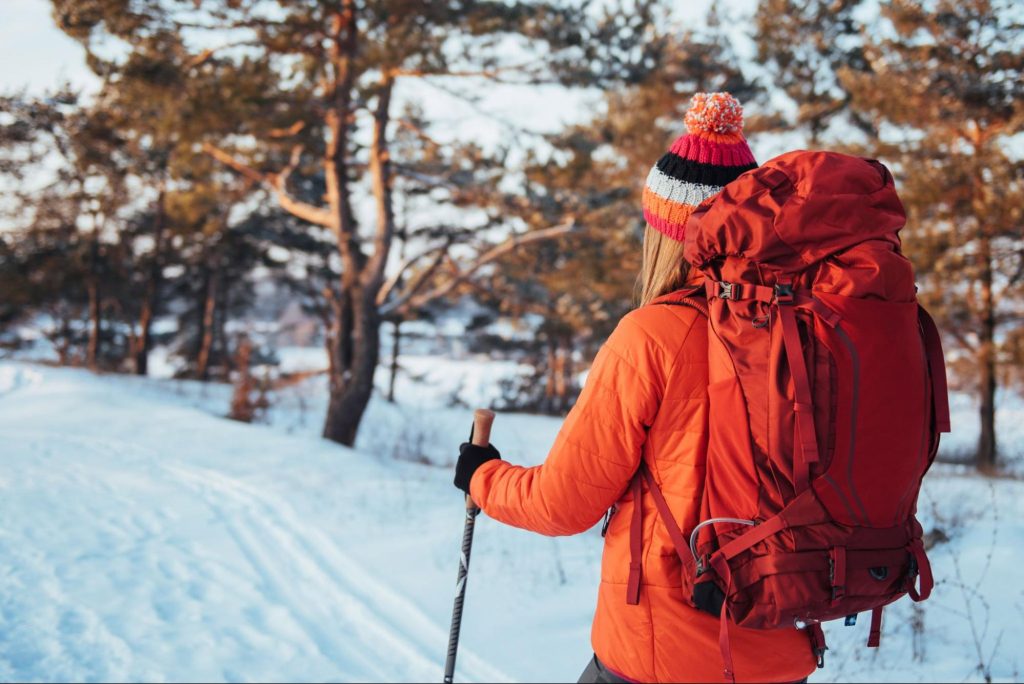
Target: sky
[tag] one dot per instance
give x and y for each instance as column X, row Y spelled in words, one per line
column 34, row 53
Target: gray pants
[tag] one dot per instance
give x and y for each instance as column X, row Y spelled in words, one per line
column 596, row 673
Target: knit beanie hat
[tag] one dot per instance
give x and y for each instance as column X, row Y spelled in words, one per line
column 712, row 153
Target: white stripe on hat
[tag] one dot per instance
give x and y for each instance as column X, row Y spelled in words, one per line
column 680, row 192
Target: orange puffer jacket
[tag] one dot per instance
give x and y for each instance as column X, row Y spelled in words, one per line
column 646, row 397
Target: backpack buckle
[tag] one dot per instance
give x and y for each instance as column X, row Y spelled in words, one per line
column 784, row 292
column 725, row 290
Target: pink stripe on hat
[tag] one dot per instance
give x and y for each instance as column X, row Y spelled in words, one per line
column 707, row 152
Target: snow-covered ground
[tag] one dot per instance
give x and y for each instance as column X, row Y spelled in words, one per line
column 145, row 537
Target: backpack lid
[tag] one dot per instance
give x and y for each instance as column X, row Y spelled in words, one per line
column 795, row 210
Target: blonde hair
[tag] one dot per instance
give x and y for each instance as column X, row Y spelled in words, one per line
column 663, row 270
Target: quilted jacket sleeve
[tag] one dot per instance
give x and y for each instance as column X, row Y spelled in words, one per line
column 598, row 448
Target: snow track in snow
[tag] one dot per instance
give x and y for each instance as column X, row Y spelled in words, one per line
column 142, row 540
column 325, row 590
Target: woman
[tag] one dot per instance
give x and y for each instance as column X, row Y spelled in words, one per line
column 646, row 400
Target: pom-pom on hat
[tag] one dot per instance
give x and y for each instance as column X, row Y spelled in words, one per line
column 711, row 154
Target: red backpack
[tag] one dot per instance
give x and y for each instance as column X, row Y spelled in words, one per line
column 827, row 396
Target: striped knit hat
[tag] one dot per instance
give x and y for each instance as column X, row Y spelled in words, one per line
column 699, row 164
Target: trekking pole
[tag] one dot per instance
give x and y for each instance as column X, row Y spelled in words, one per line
column 480, row 435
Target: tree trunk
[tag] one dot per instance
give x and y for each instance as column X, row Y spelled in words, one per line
column 356, row 336
column 207, row 327
column 354, row 330
column 987, row 448
column 95, row 310
column 550, row 399
column 568, row 380
column 352, row 386
column 143, row 342
column 95, row 325
column 219, row 347
column 140, row 354
column 242, row 407
column 396, row 343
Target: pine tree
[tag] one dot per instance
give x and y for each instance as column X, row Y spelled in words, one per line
column 804, row 44
column 65, row 164
column 349, row 59
column 950, row 82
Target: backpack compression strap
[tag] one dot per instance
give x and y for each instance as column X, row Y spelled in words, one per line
column 803, row 406
column 936, row 369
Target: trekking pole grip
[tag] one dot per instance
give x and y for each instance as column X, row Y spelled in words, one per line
column 481, row 436
column 482, row 422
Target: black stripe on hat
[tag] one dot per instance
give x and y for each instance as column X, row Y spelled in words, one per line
column 686, row 170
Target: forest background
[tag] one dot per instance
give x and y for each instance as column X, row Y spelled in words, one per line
column 220, row 181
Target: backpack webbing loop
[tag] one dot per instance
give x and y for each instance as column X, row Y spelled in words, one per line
column 924, row 572
column 875, row 635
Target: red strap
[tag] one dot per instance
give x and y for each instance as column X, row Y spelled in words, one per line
column 827, row 314
column 818, row 644
column 924, row 572
column 678, row 540
column 875, row 635
column 837, row 572
column 936, row 369
column 752, row 536
column 636, row 540
column 724, row 645
column 803, row 405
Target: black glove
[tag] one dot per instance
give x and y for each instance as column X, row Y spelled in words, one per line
column 472, row 457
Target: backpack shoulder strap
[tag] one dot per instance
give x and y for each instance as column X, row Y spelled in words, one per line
column 644, row 475
column 692, row 297
column 678, row 540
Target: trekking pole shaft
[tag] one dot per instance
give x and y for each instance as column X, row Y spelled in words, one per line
column 480, row 436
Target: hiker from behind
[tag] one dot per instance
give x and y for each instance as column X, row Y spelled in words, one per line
column 645, row 402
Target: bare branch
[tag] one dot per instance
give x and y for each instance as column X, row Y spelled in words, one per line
column 199, row 59
column 482, row 260
column 493, row 74
column 238, row 166
column 391, row 283
column 277, row 182
column 439, row 252
column 962, row 338
column 294, row 129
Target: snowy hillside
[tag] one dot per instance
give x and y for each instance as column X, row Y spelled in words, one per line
column 143, row 537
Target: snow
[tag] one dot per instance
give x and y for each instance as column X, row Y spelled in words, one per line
column 145, row 537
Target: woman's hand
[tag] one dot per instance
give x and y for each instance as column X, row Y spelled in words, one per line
column 472, row 457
